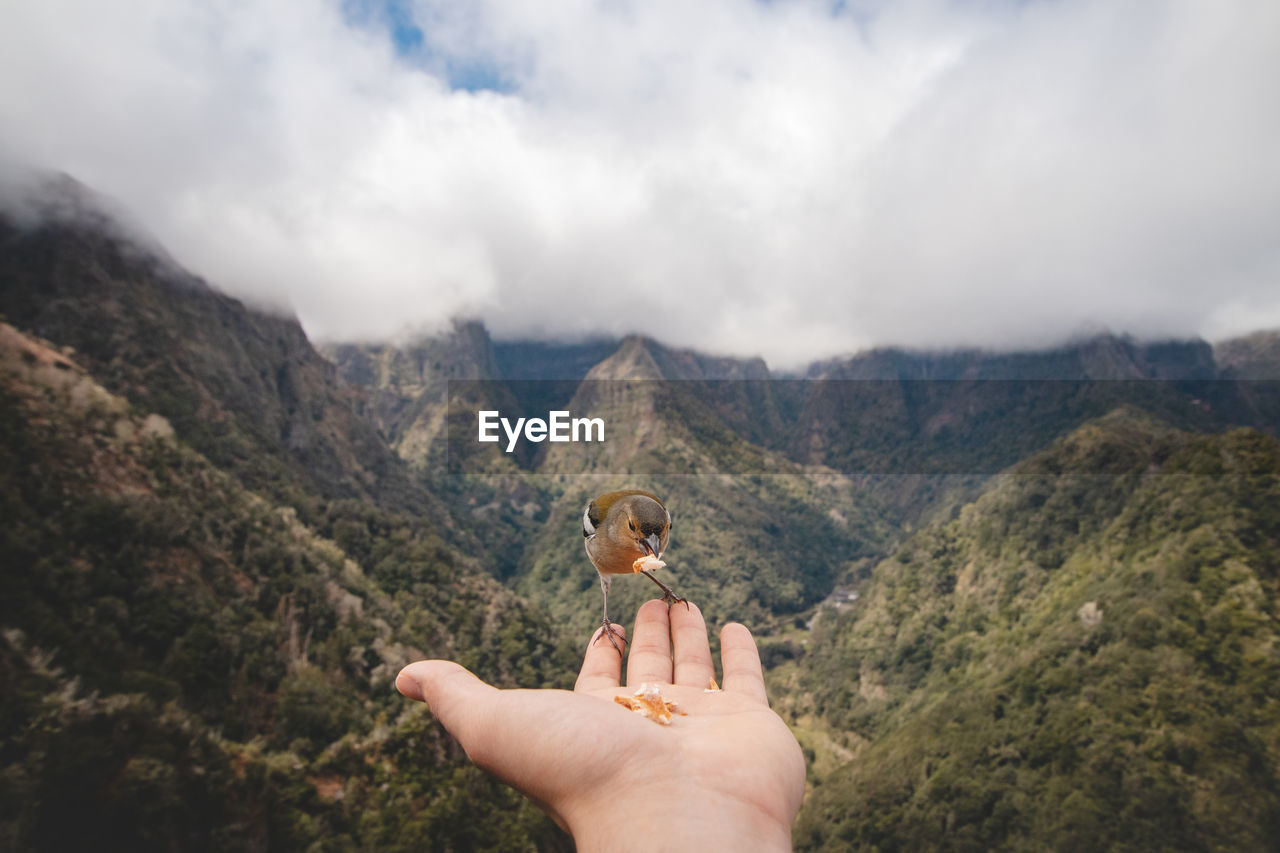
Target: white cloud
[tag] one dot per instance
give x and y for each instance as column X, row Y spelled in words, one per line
column 733, row 175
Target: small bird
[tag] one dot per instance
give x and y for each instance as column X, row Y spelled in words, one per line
column 620, row 528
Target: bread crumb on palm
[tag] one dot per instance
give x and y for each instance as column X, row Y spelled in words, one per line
column 648, row 703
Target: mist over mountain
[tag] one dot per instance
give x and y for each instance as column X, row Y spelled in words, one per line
column 1255, row 356
column 1003, row 598
column 242, row 386
column 789, row 179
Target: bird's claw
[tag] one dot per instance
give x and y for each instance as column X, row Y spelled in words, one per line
column 610, row 633
column 668, row 594
column 671, row 598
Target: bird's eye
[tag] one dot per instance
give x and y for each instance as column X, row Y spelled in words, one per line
column 632, row 525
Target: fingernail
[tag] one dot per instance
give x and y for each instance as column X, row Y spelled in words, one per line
column 408, row 686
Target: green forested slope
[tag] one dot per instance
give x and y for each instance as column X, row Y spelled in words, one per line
column 188, row 666
column 1075, row 662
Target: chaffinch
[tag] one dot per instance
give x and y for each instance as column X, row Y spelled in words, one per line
column 621, row 528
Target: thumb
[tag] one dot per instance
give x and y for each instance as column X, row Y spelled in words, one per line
column 451, row 692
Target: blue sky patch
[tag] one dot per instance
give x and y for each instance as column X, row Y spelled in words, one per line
column 395, row 18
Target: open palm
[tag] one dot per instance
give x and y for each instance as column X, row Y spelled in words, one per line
column 725, row 768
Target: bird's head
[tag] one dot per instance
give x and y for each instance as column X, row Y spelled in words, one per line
column 647, row 523
column 633, row 516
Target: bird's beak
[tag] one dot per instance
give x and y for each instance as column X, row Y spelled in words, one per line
column 650, row 544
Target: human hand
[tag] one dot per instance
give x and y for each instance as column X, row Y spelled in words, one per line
column 728, row 774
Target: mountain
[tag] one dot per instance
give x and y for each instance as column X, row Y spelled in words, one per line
column 1007, row 601
column 1102, row 357
column 893, row 438
column 187, row 665
column 972, row 412
column 755, row 536
column 408, row 385
column 243, row 387
column 547, row 360
column 213, row 568
column 923, row 431
column 763, row 536
column 1077, row 660
column 881, row 413
column 1255, row 356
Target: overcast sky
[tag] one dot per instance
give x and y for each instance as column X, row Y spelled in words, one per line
column 789, row 179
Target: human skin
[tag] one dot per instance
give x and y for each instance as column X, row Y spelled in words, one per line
column 725, row 774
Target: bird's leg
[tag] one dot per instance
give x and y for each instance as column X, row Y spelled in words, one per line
column 608, row 626
column 667, row 594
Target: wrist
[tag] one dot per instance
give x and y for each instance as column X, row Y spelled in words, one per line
column 674, row 822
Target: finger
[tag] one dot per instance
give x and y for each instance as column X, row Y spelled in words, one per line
column 650, row 657
column 741, row 659
column 602, row 665
column 451, row 692
column 691, row 650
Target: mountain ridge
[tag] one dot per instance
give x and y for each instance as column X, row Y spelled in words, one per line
column 256, row 537
column 238, row 384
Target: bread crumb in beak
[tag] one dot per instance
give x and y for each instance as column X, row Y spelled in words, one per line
column 647, row 563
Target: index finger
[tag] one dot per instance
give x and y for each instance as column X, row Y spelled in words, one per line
column 741, row 659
